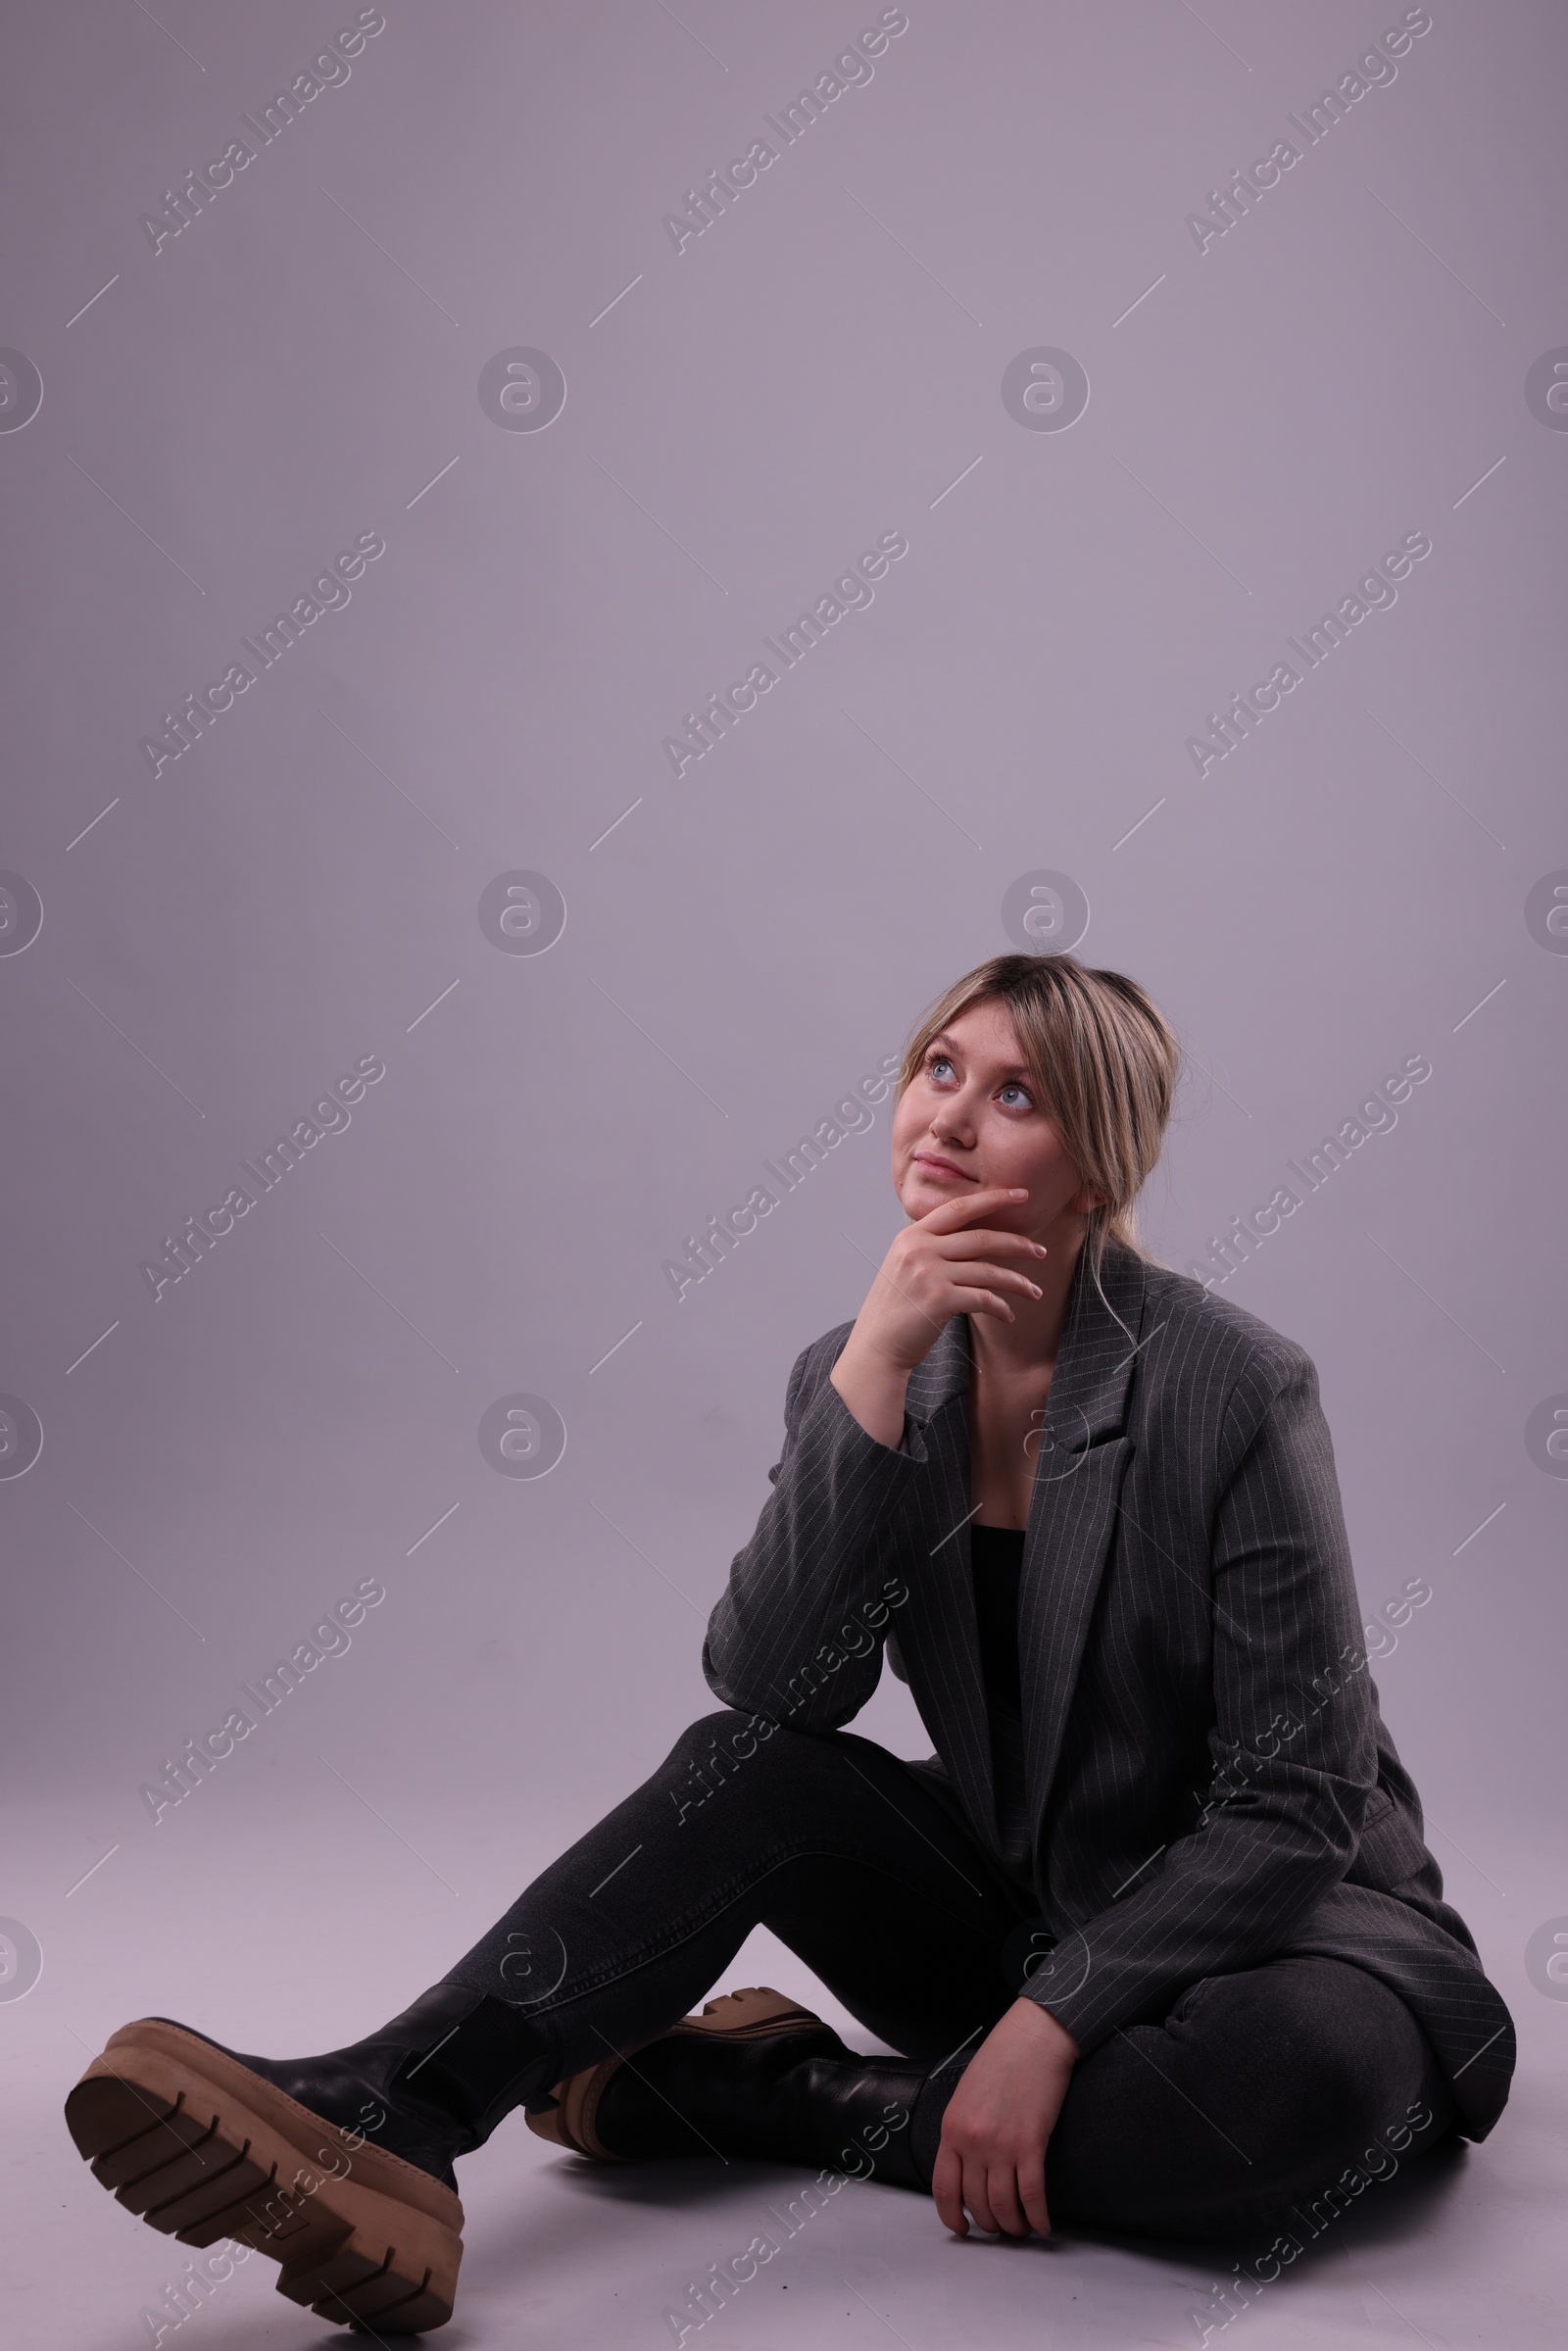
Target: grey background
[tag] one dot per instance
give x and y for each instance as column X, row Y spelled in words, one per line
column 819, row 368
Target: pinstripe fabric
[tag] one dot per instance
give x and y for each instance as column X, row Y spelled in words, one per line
column 1209, row 1780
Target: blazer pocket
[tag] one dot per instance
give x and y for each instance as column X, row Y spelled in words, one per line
column 1390, row 1849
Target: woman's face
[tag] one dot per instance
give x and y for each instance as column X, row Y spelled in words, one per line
column 971, row 1117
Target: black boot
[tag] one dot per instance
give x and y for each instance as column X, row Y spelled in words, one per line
column 429, row 2085
column 338, row 2168
column 753, row 2076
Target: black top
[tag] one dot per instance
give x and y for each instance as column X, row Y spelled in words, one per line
column 997, row 1561
column 996, row 1556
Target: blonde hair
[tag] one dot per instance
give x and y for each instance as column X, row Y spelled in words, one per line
column 1104, row 1061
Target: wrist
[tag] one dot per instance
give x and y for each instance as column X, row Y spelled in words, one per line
column 872, row 1390
column 1049, row 2032
column 864, row 1357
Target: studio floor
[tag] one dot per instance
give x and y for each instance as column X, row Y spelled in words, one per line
column 273, row 1929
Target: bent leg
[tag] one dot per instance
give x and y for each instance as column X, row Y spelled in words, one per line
column 1295, row 2084
column 829, row 1839
column 825, row 1838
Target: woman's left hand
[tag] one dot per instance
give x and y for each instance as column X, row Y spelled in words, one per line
column 999, row 2120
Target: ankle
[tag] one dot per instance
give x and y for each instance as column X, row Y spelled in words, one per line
column 858, row 2115
column 486, row 2058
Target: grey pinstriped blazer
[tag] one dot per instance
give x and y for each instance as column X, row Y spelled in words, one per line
column 1209, row 1780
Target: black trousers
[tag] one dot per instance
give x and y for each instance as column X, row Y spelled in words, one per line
column 1257, row 2091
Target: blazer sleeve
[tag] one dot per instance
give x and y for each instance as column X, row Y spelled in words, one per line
column 798, row 1634
column 1292, row 1739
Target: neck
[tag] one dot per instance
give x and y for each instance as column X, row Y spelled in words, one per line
column 1029, row 1343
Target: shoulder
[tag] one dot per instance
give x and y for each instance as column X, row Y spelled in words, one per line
column 1218, row 1386
column 1193, row 1337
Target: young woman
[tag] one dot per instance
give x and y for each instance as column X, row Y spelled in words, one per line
column 1155, row 1928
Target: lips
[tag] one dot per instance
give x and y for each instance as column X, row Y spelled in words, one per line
column 936, row 1166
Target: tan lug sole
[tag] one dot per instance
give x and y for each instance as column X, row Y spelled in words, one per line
column 201, row 2148
column 754, row 2014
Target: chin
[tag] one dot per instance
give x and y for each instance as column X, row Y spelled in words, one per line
column 922, row 1191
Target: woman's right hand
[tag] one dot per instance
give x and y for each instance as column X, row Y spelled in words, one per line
column 940, row 1265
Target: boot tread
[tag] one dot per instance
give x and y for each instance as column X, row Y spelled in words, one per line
column 377, row 2243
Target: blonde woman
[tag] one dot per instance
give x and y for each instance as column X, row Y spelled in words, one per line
column 1155, row 1932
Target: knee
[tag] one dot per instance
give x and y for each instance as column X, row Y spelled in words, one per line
column 1336, row 2055
column 716, row 1747
column 728, row 1730
column 1304, row 2078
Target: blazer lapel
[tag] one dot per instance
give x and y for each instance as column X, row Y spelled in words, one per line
column 1072, row 1509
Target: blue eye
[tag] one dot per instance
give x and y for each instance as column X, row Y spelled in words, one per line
column 937, row 1062
column 1012, row 1087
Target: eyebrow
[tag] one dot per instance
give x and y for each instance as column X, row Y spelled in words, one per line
column 1013, row 1069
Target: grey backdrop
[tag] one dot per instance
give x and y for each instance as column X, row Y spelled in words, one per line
column 229, row 402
